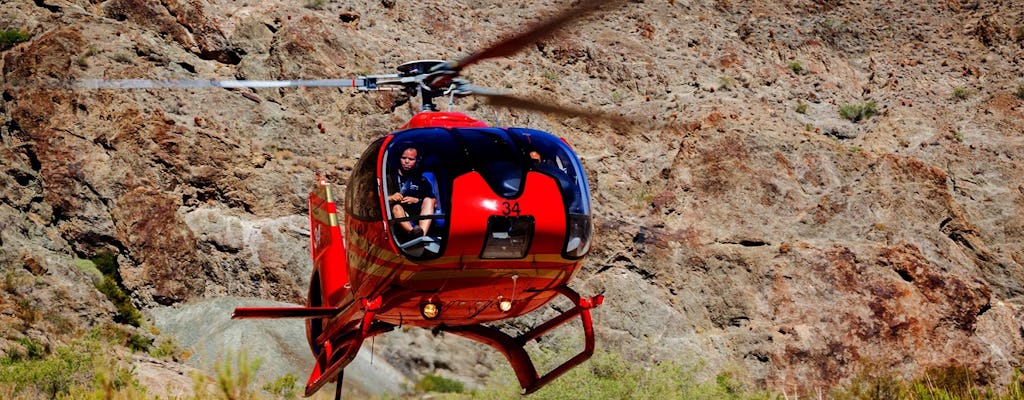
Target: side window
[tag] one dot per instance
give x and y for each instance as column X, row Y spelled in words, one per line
column 361, row 199
column 551, row 156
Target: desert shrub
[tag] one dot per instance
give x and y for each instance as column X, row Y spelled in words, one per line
column 438, row 384
column 960, row 93
column 858, row 112
column 796, row 67
column 609, row 376
column 109, row 283
column 726, row 82
column 947, row 382
column 167, row 348
column 1019, row 93
column 284, row 387
column 235, row 374
column 51, row 375
column 11, row 37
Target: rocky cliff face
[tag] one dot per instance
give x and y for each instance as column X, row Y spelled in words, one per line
column 757, row 228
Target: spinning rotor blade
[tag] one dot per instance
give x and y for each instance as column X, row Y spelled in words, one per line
column 363, row 83
column 513, row 44
column 503, row 100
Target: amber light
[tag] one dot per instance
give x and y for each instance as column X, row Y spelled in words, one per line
column 430, row 310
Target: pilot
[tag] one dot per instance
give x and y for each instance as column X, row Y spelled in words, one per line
column 415, row 196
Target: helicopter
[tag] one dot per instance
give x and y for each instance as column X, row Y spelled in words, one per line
column 447, row 223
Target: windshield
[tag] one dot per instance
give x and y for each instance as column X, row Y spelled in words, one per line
column 421, row 164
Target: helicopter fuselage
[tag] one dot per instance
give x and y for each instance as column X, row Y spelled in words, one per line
column 447, row 224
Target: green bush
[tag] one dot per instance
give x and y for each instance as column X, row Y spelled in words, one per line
column 438, row 384
column 285, row 387
column 109, row 283
column 858, row 112
column 796, row 67
column 11, row 37
column 960, row 93
column 53, row 375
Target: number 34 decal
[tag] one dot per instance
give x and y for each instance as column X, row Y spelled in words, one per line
column 510, row 208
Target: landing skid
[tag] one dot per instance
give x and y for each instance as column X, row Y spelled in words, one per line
column 512, row 347
column 340, row 344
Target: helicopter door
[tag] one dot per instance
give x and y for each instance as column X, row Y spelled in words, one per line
column 417, row 185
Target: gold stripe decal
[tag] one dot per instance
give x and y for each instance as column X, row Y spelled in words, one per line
column 320, row 209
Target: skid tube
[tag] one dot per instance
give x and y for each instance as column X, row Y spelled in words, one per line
column 512, row 347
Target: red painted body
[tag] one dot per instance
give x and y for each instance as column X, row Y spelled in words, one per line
column 364, row 284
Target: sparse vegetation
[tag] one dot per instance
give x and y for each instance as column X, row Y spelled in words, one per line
column 235, row 374
column 431, row 383
column 617, row 96
column 11, row 37
column 960, row 93
column 726, row 82
column 796, row 67
column 1019, row 93
column 285, row 387
column 949, row 382
column 80, row 367
column 551, row 76
column 316, row 4
column 801, row 107
column 609, row 376
column 83, row 59
column 858, row 112
column 109, row 283
column 122, row 58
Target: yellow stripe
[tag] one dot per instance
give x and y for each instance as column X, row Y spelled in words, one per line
column 319, row 212
column 551, row 274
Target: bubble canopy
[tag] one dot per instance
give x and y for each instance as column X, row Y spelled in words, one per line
column 425, row 163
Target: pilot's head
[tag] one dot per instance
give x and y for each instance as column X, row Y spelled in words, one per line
column 409, row 158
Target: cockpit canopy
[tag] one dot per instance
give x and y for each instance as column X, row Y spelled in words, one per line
column 420, row 166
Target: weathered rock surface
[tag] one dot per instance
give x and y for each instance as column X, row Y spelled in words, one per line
column 759, row 230
column 279, row 346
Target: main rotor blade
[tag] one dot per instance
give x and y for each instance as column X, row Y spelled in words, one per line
column 93, row 84
column 509, row 101
column 513, row 44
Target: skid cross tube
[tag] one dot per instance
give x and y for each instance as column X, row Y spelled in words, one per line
column 512, row 347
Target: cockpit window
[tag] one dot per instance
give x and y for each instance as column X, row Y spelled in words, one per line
column 421, row 164
column 551, row 156
column 418, row 188
column 361, row 199
column 493, row 154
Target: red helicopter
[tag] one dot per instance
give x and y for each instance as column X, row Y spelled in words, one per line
column 447, row 224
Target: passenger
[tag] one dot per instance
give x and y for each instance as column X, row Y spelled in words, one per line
column 565, row 183
column 414, row 198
